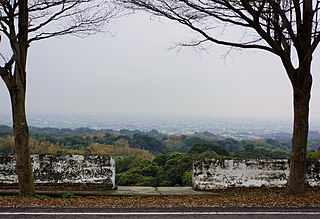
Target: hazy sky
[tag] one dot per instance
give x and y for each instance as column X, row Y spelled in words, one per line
column 134, row 72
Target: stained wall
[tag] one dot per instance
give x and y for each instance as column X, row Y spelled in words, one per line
column 209, row 174
column 55, row 169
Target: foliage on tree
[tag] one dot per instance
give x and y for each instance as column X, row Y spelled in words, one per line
column 173, row 172
column 136, row 171
column 175, row 143
column 200, row 148
column 114, row 142
column 121, row 148
column 141, row 167
column 146, row 142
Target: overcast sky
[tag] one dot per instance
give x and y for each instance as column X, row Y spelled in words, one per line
column 134, row 73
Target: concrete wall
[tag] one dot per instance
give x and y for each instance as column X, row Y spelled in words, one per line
column 209, row 174
column 96, row 169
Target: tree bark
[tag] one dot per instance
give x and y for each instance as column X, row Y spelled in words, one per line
column 21, row 138
column 17, row 89
column 302, row 83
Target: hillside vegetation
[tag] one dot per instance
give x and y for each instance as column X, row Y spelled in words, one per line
column 149, row 158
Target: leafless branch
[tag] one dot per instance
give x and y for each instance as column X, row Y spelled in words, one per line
column 77, row 17
column 277, row 24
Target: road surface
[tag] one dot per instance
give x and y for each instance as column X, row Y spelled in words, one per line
column 170, row 213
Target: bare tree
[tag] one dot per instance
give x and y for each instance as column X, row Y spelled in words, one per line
column 23, row 22
column 286, row 28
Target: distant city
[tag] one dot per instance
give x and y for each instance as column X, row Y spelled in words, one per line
column 233, row 128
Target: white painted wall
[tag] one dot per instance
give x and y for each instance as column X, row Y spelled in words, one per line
column 209, row 174
column 95, row 169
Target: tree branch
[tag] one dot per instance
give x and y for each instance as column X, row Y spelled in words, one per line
column 53, row 17
column 179, row 13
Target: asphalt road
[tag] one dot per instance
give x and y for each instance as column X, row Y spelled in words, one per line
column 170, row 213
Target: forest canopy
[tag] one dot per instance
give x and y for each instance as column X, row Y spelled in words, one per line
column 151, row 158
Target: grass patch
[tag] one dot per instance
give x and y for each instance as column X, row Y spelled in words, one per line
column 67, row 195
column 42, row 197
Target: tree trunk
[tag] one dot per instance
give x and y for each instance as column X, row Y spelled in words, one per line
column 21, row 138
column 17, row 89
column 302, row 83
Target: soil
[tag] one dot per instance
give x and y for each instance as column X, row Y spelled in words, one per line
column 259, row 197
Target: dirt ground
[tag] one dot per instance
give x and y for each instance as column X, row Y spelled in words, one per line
column 259, row 197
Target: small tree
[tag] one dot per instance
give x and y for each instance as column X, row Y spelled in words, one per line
column 23, row 22
column 286, row 28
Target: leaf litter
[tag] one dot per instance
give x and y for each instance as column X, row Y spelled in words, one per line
column 236, row 197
